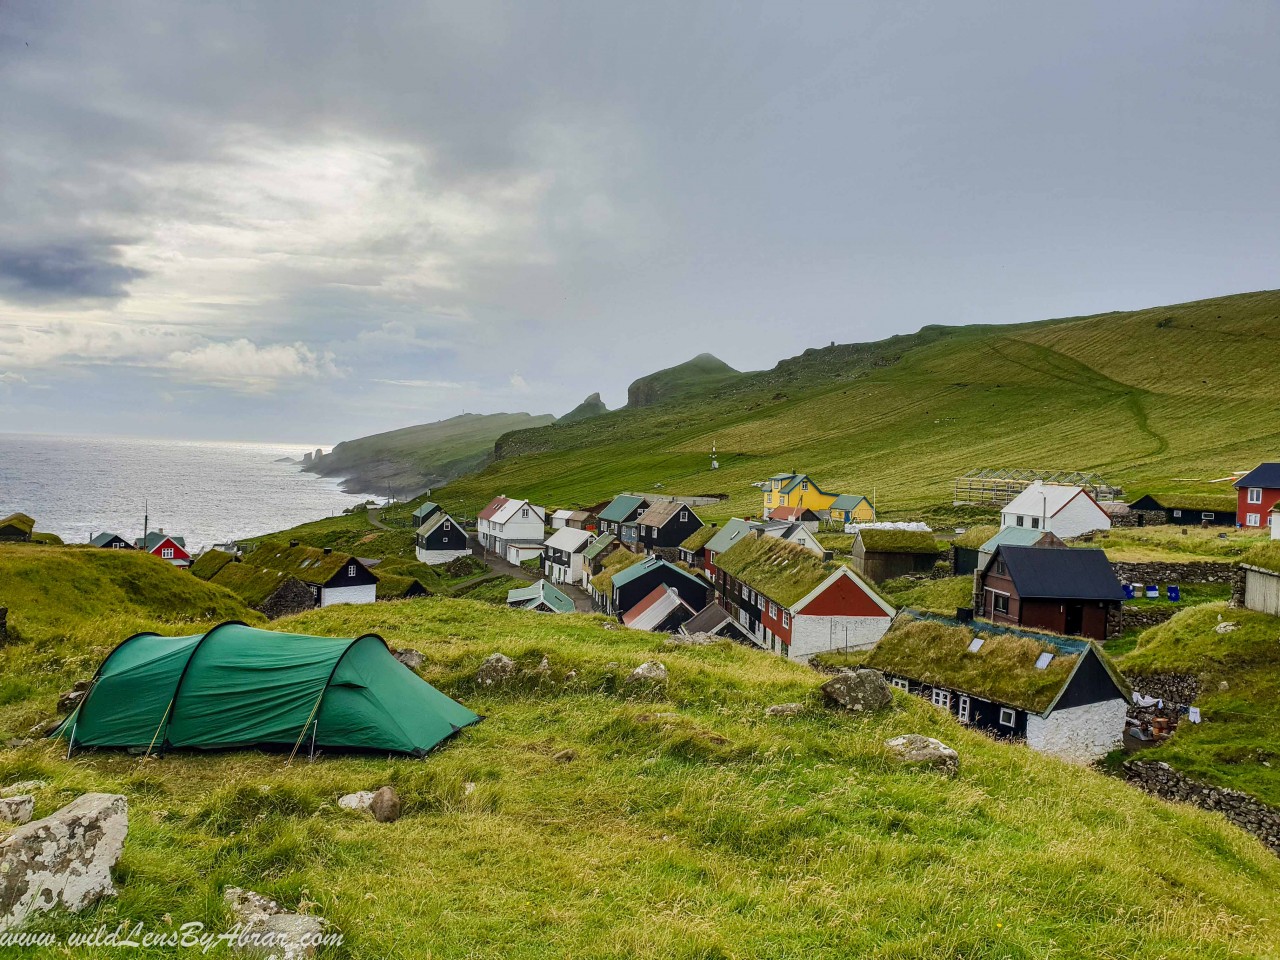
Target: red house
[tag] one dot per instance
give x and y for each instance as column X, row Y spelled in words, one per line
column 1256, row 493
column 168, row 548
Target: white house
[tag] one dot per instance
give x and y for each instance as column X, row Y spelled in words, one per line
column 513, row 529
column 440, row 539
column 1062, row 510
column 560, row 519
column 562, row 556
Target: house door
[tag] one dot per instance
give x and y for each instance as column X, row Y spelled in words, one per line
column 1073, row 623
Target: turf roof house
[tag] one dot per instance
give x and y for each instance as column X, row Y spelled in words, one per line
column 1185, row 509
column 17, row 527
column 882, row 554
column 728, row 536
column 595, row 555
column 110, row 541
column 801, row 515
column 272, row 593
column 630, row 586
column 1062, row 697
column 513, row 529
column 693, row 547
column 334, row 578
column 622, row 510
column 1063, row 590
column 439, row 539
column 796, row 604
column 1063, row 510
column 562, row 556
column 540, row 596
column 165, row 546
column 664, row 526
column 1256, row 493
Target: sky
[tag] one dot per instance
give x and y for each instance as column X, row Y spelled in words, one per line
column 279, row 221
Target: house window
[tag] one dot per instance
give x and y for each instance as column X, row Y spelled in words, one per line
column 524, row 514
column 167, row 553
column 1207, row 516
column 773, row 609
column 1253, row 520
column 1000, row 603
column 804, row 484
column 1255, row 494
column 1177, row 513
column 941, row 698
column 351, row 569
column 786, row 619
column 1000, row 567
column 962, row 709
column 684, row 516
column 446, row 525
column 1035, row 523
column 1007, row 717
column 900, row 684
column 1020, row 519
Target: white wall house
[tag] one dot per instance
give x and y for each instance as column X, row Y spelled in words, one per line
column 513, row 529
column 562, row 559
column 1062, row 510
column 440, row 539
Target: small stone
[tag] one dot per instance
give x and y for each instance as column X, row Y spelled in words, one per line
column 545, row 665
column 268, row 930
column 70, row 700
column 1225, row 627
column 18, row 809
column 566, row 756
column 858, row 690
column 413, row 659
column 784, row 710
column 925, row 751
column 385, row 805
column 23, row 786
column 495, row 670
column 17, row 743
column 649, row 672
column 360, row 800
column 468, row 788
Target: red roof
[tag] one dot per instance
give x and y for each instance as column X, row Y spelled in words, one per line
column 631, row 615
column 787, row 513
column 494, row 506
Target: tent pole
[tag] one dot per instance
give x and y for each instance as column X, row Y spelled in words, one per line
column 303, row 734
column 158, row 729
column 315, row 728
column 71, row 740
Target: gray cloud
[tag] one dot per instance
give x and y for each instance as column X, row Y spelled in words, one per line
column 84, row 270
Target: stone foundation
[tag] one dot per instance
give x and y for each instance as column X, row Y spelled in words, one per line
column 1144, row 619
column 1246, row 812
column 1193, row 571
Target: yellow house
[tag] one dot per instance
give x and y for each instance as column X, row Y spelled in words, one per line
column 800, row 490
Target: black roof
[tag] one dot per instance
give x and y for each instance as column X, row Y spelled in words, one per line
column 1061, row 573
column 1263, row 475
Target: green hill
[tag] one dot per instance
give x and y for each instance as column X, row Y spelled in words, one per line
column 701, row 375
column 404, row 462
column 586, row 818
column 593, row 406
column 1156, row 400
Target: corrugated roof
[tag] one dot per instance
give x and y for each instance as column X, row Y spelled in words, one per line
column 707, row 620
column 620, row 508
column 155, row 538
column 599, row 545
column 494, row 506
column 1012, row 536
column 568, row 539
column 654, row 608
column 1058, row 573
column 507, row 510
column 660, row 514
column 1263, row 475
column 623, row 577
column 434, row 521
column 425, row 510
column 1043, row 499
column 100, row 540
column 792, row 513
column 848, row 501
column 731, row 533
column 540, row 592
column 562, row 514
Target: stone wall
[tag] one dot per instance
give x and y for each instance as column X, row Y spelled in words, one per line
column 1170, row 687
column 1193, row 571
column 1246, row 812
column 1238, row 577
column 1136, row 617
column 292, row 597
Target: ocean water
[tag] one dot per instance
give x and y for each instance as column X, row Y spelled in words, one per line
column 206, row 491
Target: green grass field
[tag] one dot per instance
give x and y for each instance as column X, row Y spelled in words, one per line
column 684, row 824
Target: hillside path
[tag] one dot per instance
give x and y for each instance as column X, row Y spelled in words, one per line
column 499, row 566
column 372, row 514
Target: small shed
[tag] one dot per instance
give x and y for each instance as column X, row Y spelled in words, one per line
column 1186, row 509
column 882, row 554
column 541, row 596
column 17, row 527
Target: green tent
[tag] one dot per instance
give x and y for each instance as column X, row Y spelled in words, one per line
column 240, row 687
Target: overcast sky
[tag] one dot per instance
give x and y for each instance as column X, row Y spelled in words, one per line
column 298, row 221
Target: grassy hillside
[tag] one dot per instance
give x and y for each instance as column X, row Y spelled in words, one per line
column 697, row 377
column 1238, row 744
column 583, row 819
column 1158, row 400
column 593, row 406
column 411, row 459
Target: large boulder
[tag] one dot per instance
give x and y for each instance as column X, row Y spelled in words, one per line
column 23, row 786
column 649, row 672
column 858, row 690
column 63, row 860
column 495, row 670
column 17, row 809
column 269, row 930
column 922, row 751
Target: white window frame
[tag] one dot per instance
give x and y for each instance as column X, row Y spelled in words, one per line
column 940, row 698
column 1206, row 515
column 1020, row 520
column 684, row 516
column 1008, row 717
column 773, row 609
column 1255, row 495
column 166, row 553
column 900, row 684
column 962, row 709
column 786, row 619
column 1253, row 519
column 1177, row 513
column 351, row 569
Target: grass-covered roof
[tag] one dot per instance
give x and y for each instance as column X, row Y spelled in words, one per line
column 252, row 583
column 309, row 564
column 1195, row 501
column 782, row 571
column 207, row 565
column 975, row 537
column 20, row 520
column 394, row 586
column 877, row 540
column 698, row 539
column 616, row 562
column 1003, row 669
column 1265, row 556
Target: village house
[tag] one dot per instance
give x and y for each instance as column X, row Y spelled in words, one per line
column 798, row 533
column 794, row 490
column 801, row 515
column 714, row 620
column 512, row 529
column 110, row 541
column 333, row 578
column 425, row 511
column 692, row 552
column 1256, row 493
column 796, row 604
column 562, row 557
column 623, row 509
column 1061, row 697
column 633, row 584
column 165, row 546
column 1186, row 509
column 727, row 537
column 540, row 596
column 1062, row 590
column 851, row 508
column 662, row 611
column 885, row 553
column 17, row 527
column 560, row 518
column 1063, row 510
column 1016, row 537
column 595, row 555
column 664, row 525
column 440, row 539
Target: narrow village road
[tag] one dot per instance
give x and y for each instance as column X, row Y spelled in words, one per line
column 581, row 600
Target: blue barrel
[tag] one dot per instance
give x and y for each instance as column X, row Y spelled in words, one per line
column 1175, row 593
column 1128, row 591
column 1153, row 591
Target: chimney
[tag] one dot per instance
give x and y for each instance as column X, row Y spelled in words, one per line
column 293, row 543
column 160, row 530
